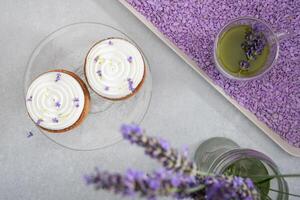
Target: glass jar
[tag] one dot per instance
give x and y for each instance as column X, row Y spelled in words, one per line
column 217, row 154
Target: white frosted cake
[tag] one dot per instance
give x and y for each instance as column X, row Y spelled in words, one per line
column 114, row 68
column 57, row 101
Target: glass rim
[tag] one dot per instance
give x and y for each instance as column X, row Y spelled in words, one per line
column 219, row 65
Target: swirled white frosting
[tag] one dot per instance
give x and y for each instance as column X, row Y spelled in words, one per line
column 114, row 68
column 55, row 100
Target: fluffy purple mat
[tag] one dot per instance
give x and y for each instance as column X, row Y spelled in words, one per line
column 193, row 24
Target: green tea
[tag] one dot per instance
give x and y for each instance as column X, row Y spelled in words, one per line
column 249, row 167
column 230, row 53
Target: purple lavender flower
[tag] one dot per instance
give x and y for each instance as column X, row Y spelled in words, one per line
column 76, row 101
column 58, row 77
column 99, row 72
column 167, row 183
column 39, row 121
column 96, row 59
column 130, row 85
column 170, row 158
column 253, row 46
column 57, row 104
column 244, row 65
column 110, row 42
column 129, row 59
column 178, row 180
column 151, row 186
column 29, row 134
column 227, row 188
column 164, row 144
column 55, row 120
column 29, row 99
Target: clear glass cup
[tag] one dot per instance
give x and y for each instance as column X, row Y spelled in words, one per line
column 272, row 40
column 215, row 155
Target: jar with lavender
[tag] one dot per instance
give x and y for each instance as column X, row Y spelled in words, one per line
column 223, row 156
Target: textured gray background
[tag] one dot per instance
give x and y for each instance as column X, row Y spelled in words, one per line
column 184, row 109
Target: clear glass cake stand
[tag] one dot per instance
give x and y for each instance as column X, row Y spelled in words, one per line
column 66, row 48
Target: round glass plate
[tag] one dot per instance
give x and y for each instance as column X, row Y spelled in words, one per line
column 66, row 48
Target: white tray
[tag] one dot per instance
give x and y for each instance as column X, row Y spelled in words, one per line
column 275, row 137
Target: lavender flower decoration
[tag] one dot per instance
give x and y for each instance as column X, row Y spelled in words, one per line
column 76, row 101
column 58, row 77
column 55, row 120
column 96, row 59
column 99, row 72
column 129, row 59
column 130, row 84
column 29, row 99
column 57, row 104
column 39, row 121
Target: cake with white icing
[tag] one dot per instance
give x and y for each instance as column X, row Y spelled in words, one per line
column 57, row 101
column 114, row 68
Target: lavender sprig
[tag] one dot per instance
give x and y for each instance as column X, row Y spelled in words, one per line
column 160, row 150
column 253, row 46
column 159, row 183
column 222, row 187
column 179, row 179
column 166, row 183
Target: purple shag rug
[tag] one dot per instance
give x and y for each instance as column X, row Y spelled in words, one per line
column 193, row 25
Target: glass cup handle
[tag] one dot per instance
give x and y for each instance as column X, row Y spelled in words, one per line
column 284, row 35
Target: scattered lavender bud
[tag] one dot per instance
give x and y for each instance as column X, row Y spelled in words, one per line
column 129, row 59
column 130, row 85
column 96, row 59
column 39, row 121
column 76, row 102
column 75, row 99
column 57, row 104
column 54, row 120
column 58, row 77
column 29, row 99
column 244, row 65
column 29, row 134
column 99, row 72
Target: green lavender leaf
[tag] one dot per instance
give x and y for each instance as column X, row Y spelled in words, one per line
column 250, row 167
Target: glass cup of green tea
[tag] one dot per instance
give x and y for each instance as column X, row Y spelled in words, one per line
column 246, row 48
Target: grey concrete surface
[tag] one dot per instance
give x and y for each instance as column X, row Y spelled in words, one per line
column 184, row 108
